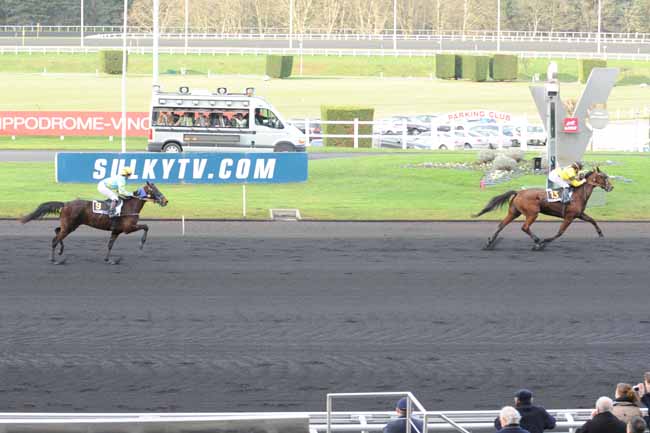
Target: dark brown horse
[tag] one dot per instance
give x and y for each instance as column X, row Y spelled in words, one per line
column 532, row 202
column 79, row 212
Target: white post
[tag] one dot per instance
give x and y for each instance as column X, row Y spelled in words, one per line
column 244, row 200
column 301, row 57
column 395, row 24
column 290, row 23
column 126, row 12
column 404, row 134
column 81, row 33
column 523, row 136
column 599, row 23
column 23, row 36
column 498, row 25
column 187, row 20
column 307, row 131
column 183, row 224
column 156, row 34
column 356, row 133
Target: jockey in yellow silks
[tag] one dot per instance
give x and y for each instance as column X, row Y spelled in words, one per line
column 566, row 178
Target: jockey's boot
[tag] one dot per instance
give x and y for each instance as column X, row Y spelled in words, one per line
column 112, row 213
column 566, row 195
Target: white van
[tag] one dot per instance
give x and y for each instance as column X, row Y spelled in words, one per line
column 204, row 121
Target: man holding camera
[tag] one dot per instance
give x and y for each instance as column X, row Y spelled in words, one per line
column 643, row 391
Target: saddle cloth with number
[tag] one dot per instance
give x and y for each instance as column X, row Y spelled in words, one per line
column 555, row 195
column 102, row 207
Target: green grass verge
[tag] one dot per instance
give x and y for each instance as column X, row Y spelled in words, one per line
column 361, row 188
column 632, row 72
column 297, row 97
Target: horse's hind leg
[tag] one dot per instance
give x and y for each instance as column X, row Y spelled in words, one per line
column 60, row 242
column 513, row 213
column 530, row 219
column 60, row 234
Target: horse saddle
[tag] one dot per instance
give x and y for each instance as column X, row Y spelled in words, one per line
column 556, row 195
column 102, row 207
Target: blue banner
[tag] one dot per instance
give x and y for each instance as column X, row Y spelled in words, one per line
column 184, row 167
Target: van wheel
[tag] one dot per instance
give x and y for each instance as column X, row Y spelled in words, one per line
column 284, row 147
column 467, row 146
column 172, row 148
column 442, row 147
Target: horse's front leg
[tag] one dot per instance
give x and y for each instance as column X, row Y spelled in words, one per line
column 108, row 259
column 565, row 224
column 137, row 227
column 590, row 220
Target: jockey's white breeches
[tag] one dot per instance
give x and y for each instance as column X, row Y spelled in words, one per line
column 556, row 179
column 101, row 187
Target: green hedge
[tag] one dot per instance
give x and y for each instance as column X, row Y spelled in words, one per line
column 503, row 67
column 279, row 66
column 586, row 65
column 348, row 113
column 446, row 66
column 110, row 61
column 474, row 68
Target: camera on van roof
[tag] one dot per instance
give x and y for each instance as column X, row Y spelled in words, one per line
column 222, row 91
column 184, row 89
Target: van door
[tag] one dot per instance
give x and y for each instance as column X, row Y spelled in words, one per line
column 268, row 129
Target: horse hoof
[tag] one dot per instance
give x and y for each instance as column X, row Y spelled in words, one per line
column 59, row 262
column 491, row 243
column 141, row 247
column 539, row 246
column 115, row 261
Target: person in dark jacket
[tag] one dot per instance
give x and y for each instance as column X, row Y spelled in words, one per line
column 399, row 425
column 535, row 419
column 510, row 419
column 603, row 420
column 636, row 425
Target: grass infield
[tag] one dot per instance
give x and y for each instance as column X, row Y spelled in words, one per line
column 362, row 188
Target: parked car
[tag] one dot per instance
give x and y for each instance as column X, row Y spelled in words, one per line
column 472, row 140
column 424, row 141
column 536, row 135
column 314, row 127
column 394, row 141
column 395, row 125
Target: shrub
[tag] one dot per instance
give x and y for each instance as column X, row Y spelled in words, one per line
column 486, row 155
column 503, row 162
column 516, row 154
column 503, row 67
column 474, row 68
column 279, row 66
column 347, row 113
column 110, row 61
column 586, row 65
column 458, row 60
column 446, row 66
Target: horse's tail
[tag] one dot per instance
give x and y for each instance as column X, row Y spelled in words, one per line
column 43, row 209
column 496, row 202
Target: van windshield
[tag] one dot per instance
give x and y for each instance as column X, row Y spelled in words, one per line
column 200, row 117
column 266, row 117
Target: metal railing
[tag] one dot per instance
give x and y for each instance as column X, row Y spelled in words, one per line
column 345, row 33
column 335, row 52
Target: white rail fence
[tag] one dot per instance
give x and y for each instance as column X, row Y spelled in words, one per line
column 318, row 422
column 338, row 52
column 341, row 34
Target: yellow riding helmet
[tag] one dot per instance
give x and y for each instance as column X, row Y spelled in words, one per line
column 126, row 171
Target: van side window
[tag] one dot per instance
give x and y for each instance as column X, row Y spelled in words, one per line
column 266, row 117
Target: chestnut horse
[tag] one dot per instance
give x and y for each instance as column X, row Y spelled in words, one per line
column 532, row 202
column 79, row 212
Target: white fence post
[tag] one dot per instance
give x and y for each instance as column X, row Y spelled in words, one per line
column 404, row 133
column 356, row 133
column 307, row 131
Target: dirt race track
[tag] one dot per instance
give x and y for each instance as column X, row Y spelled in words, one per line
column 272, row 316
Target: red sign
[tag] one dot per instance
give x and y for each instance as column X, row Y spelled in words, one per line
column 570, row 125
column 72, row 123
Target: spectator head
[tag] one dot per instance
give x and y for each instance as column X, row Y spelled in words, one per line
column 625, row 392
column 646, row 377
column 636, row 425
column 401, row 404
column 604, row 404
column 523, row 396
column 509, row 416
